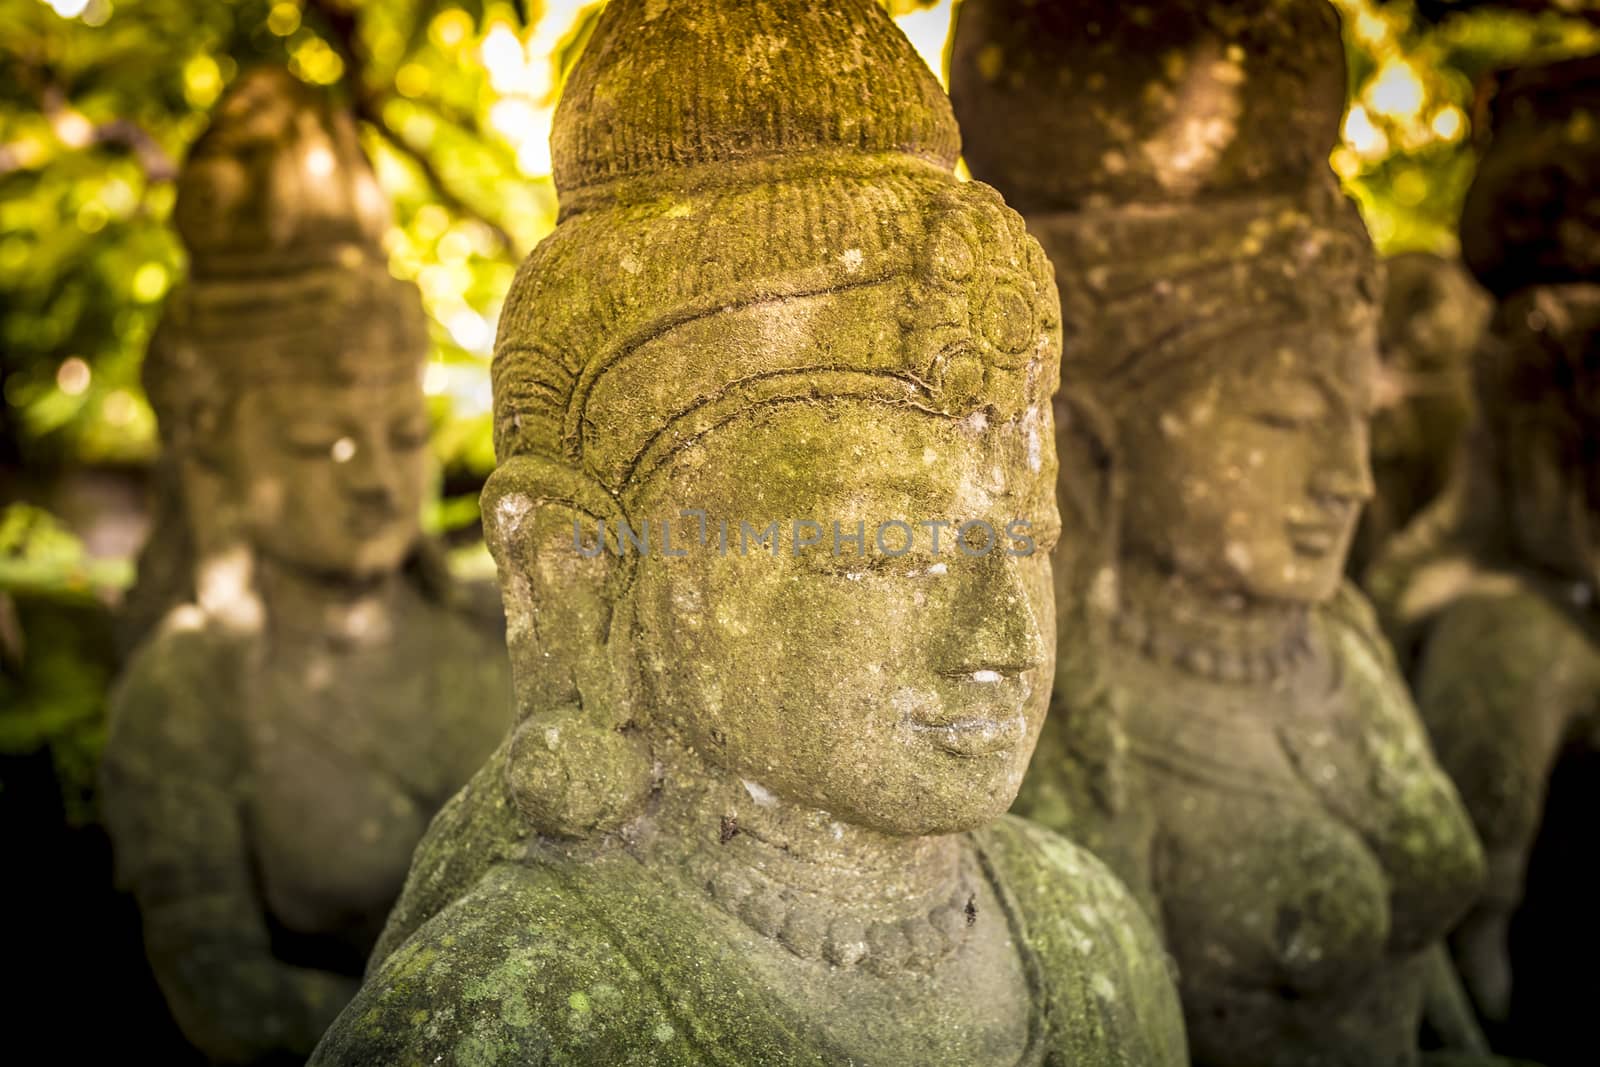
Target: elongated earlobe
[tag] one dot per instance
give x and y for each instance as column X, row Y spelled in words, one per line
column 577, row 765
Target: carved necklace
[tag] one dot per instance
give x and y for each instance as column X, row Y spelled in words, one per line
column 806, row 927
column 1204, row 639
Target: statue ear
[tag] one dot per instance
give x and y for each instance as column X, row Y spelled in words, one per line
column 1084, row 722
column 577, row 763
column 1088, row 491
column 193, row 408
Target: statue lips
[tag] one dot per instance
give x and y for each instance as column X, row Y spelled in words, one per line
column 367, row 520
column 974, row 737
column 1315, row 539
column 987, row 733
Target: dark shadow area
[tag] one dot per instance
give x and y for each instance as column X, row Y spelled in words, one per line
column 1554, row 937
column 78, row 961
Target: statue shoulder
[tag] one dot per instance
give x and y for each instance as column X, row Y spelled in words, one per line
column 1513, row 620
column 1110, row 984
column 1505, row 659
column 1352, row 617
column 516, row 971
column 1503, row 680
column 171, row 703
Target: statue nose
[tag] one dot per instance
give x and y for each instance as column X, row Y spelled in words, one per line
column 371, row 476
column 1342, row 488
column 1006, row 639
column 1346, row 478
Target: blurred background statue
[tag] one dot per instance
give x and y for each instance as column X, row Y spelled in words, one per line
column 1434, row 314
column 752, row 812
column 1272, row 795
column 1490, row 595
column 305, row 695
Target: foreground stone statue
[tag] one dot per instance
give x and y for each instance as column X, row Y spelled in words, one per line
column 750, row 813
column 1491, row 594
column 1434, row 315
column 1268, row 790
column 310, row 697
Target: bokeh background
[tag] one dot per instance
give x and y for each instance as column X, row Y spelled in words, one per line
column 99, row 100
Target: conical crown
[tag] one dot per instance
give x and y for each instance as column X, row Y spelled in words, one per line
column 666, row 88
column 278, row 182
column 758, row 202
column 283, row 220
column 1532, row 216
column 1083, row 103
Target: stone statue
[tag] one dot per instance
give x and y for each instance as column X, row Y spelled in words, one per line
column 308, row 697
column 1264, row 783
column 752, row 810
column 1433, row 317
column 1490, row 595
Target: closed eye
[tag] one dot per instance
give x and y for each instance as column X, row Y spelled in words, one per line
column 1279, row 420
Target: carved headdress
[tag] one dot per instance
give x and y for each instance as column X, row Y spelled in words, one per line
column 768, row 188
column 1530, row 216
column 283, row 221
column 1174, row 167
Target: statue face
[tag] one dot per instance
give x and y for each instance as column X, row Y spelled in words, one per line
column 901, row 694
column 1249, row 477
column 1540, row 388
column 331, row 476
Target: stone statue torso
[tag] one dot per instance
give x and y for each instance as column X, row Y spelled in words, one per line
column 346, row 757
column 1300, row 845
column 598, row 961
column 331, row 761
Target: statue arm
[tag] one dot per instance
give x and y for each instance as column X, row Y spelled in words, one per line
column 519, row 969
column 1447, row 1010
column 170, row 788
column 1497, row 712
column 1110, row 981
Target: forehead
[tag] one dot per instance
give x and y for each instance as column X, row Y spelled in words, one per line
column 376, row 398
column 1334, row 357
column 861, row 458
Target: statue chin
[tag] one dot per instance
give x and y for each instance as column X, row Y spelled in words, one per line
column 339, row 562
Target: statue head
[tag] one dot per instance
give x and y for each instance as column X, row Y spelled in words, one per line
column 1217, row 292
column 1234, row 355
column 1530, row 231
column 1532, row 215
column 1434, row 315
column 286, row 372
column 769, row 301
column 1075, row 104
column 1538, row 384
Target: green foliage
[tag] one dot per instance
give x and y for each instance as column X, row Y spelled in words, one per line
column 39, row 555
column 97, row 109
column 56, row 650
column 1417, row 89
